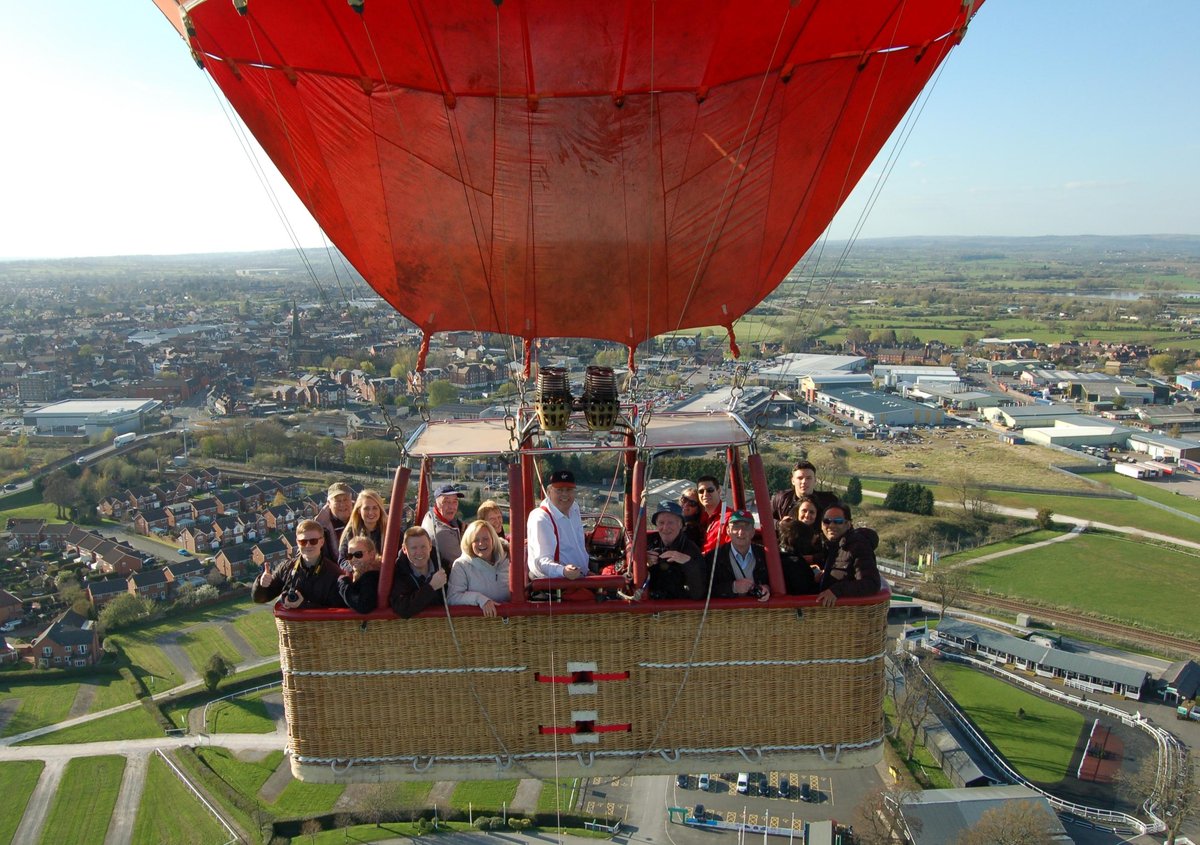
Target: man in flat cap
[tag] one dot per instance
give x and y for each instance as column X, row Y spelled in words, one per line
column 443, row 525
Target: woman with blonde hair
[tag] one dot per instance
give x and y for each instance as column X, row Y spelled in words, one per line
column 480, row 575
column 366, row 520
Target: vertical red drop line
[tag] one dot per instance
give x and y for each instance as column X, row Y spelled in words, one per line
column 638, row 524
column 770, row 541
column 734, row 458
column 518, row 514
column 631, row 497
column 423, row 491
column 392, row 535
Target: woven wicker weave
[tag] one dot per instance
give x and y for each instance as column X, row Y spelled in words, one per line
column 394, row 692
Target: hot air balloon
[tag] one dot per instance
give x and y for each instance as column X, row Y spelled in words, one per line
column 608, row 170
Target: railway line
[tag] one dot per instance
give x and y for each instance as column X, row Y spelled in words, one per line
column 1117, row 632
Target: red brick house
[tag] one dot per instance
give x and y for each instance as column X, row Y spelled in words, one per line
column 69, row 641
column 270, row 553
column 280, row 518
column 10, row 606
column 24, row 533
column 235, row 562
column 196, row 540
column 150, row 584
column 151, row 521
column 103, row 591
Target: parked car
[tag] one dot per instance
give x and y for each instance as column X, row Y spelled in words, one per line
column 704, row 782
column 743, row 782
column 764, row 788
column 10, row 486
column 681, row 781
column 785, row 787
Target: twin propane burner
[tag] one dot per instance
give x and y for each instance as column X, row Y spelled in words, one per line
column 599, row 402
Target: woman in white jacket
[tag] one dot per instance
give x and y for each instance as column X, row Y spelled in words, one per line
column 480, row 575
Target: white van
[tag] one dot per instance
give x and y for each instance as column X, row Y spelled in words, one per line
column 743, row 782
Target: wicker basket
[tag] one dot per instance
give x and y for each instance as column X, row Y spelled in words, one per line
column 595, row 693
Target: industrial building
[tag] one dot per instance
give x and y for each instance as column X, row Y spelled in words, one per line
column 88, row 417
column 878, row 409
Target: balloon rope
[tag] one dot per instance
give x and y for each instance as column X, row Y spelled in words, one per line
column 528, row 344
column 423, row 353
column 734, row 350
column 632, row 362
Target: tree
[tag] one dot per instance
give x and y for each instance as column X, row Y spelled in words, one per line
column 878, row 820
column 857, row 336
column 123, row 611
column 913, row 693
column 884, row 337
column 969, row 493
column 442, row 392
column 378, row 803
column 945, row 584
column 1015, row 822
column 60, row 490
column 215, row 671
column 909, row 497
column 854, row 494
column 1045, row 519
column 1176, row 797
column 1163, row 363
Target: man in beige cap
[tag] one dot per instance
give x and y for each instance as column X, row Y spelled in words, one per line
column 339, row 502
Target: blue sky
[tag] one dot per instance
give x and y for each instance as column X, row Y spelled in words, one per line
column 1056, row 117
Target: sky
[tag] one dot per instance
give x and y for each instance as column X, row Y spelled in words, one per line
column 1053, row 117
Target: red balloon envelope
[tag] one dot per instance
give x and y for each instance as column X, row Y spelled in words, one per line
column 547, row 168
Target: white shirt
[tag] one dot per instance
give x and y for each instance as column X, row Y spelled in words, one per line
column 542, row 541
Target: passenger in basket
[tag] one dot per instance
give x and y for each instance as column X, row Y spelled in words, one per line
column 795, row 557
column 850, row 568
column 360, row 588
column 804, row 485
column 367, row 519
column 494, row 514
column 689, row 500
column 339, row 503
column 418, row 583
column 740, row 567
column 443, row 525
column 308, row 580
column 555, row 541
column 713, row 514
column 675, row 563
column 480, row 575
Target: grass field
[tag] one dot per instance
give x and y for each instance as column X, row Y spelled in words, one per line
column 176, row 709
column 111, row 691
column 246, row 777
column 40, row 511
column 1039, row 745
column 169, row 812
column 260, row 631
column 83, row 805
column 1109, row 511
column 17, row 781
column 483, row 796
column 41, row 704
column 148, row 662
column 1104, row 574
column 200, row 644
column 1025, row 539
column 558, row 799
column 1156, row 491
column 300, row 799
column 241, row 716
column 134, row 723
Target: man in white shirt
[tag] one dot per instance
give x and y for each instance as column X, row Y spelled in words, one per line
column 555, row 540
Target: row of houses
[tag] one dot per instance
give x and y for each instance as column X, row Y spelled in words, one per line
column 105, row 555
column 70, row 641
column 157, row 584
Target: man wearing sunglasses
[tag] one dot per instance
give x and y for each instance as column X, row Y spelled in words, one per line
column 714, row 516
column 360, row 588
column 850, row 568
column 304, row 581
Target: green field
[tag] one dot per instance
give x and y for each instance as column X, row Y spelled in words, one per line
column 1162, row 492
column 241, row 716
column 134, row 723
column 149, row 662
column 1106, row 575
column 560, row 800
column 244, row 776
column 302, row 799
column 260, row 631
column 169, row 812
column 83, row 805
column 200, row 644
column 111, row 691
column 17, row 781
column 1017, row 542
column 1040, row 745
column 42, row 704
column 483, row 796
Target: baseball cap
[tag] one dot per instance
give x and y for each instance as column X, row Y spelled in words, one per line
column 561, row 476
column 448, row 490
column 742, row 516
column 339, row 488
column 666, row 507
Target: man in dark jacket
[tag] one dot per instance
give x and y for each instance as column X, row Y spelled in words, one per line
column 419, row 582
column 850, row 568
column 339, row 504
column 308, row 580
column 675, row 563
column 804, row 485
column 740, row 567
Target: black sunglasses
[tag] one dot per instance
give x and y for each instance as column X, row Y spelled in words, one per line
column 356, row 555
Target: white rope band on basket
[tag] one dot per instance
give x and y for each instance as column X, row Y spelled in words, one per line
column 464, row 670
column 816, row 661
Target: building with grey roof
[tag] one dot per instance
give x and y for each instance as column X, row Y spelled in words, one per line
column 1161, row 447
column 91, row 416
column 939, row 816
column 1078, row 671
column 878, row 409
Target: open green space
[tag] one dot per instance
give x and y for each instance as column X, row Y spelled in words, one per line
column 300, row 799
column 200, row 644
column 83, row 805
column 18, row 778
column 557, row 797
column 111, row 691
column 169, row 812
column 42, row 704
column 483, row 796
column 1104, row 574
column 1026, row 538
column 134, row 723
column 149, row 662
column 1162, row 492
column 1036, row 736
column 176, row 709
column 38, row 511
column 260, row 631
column 922, row 765
column 246, row 776
column 241, row 715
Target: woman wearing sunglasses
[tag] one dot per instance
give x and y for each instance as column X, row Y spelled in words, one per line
column 850, row 568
